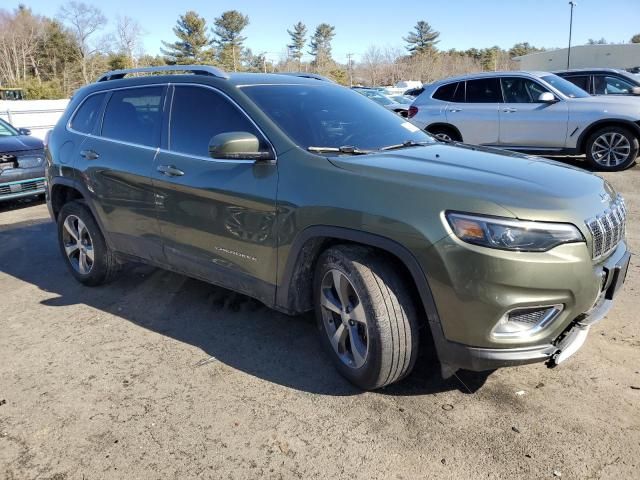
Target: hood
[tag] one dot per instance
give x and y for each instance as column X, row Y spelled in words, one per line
column 18, row 143
column 529, row 187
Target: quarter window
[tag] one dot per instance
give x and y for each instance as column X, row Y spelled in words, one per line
column 134, row 115
column 581, row 81
column 521, row 90
column 485, row 90
column 446, row 92
column 198, row 114
column 85, row 118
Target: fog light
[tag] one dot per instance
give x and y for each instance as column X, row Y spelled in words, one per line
column 524, row 322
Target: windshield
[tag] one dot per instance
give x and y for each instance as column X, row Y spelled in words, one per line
column 7, row 130
column 565, row 87
column 332, row 116
column 375, row 96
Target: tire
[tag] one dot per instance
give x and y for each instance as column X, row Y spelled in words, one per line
column 445, row 134
column 618, row 158
column 76, row 218
column 382, row 349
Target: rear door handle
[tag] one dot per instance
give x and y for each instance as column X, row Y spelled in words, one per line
column 454, row 110
column 510, row 110
column 89, row 154
column 170, row 171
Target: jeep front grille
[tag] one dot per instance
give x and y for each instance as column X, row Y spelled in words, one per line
column 607, row 229
column 35, row 185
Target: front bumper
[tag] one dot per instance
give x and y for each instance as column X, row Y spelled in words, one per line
column 495, row 285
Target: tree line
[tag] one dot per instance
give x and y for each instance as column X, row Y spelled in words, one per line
column 51, row 57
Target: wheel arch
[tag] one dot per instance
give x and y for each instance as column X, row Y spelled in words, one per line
column 613, row 122
column 63, row 190
column 294, row 293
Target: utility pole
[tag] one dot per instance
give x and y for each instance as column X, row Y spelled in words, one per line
column 573, row 4
column 349, row 55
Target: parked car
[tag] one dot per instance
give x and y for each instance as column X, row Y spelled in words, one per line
column 603, row 81
column 533, row 112
column 413, row 92
column 308, row 196
column 21, row 163
column 380, row 98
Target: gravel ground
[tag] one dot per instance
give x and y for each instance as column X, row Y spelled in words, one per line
column 160, row 376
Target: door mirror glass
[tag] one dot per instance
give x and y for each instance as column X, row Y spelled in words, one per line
column 547, row 97
column 24, row 131
column 237, row 146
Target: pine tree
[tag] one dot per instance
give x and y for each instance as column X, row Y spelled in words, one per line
column 298, row 40
column 228, row 29
column 422, row 39
column 321, row 45
column 193, row 44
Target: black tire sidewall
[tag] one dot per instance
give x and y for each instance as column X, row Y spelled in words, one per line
column 100, row 270
column 366, row 376
column 633, row 141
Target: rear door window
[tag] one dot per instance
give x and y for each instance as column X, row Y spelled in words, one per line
column 85, row 118
column 485, row 90
column 606, row 85
column 198, row 114
column 134, row 115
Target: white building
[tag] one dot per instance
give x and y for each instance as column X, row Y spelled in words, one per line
column 624, row 56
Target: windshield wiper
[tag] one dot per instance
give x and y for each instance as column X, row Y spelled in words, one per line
column 347, row 149
column 407, row 144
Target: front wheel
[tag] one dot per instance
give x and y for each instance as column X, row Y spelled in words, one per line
column 611, row 149
column 366, row 317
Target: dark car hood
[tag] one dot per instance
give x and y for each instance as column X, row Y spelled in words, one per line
column 530, row 187
column 19, row 143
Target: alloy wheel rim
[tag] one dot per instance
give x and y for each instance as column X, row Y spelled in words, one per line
column 78, row 244
column 611, row 149
column 444, row 137
column 344, row 319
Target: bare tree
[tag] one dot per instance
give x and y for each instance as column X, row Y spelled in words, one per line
column 373, row 62
column 129, row 38
column 20, row 33
column 84, row 21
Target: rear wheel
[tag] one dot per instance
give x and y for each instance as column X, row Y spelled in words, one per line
column 445, row 134
column 83, row 247
column 612, row 148
column 365, row 315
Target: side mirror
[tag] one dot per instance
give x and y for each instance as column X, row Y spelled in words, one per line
column 635, row 91
column 238, row 146
column 24, row 131
column 547, row 97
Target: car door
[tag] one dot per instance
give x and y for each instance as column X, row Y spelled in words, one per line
column 478, row 118
column 116, row 165
column 526, row 122
column 217, row 217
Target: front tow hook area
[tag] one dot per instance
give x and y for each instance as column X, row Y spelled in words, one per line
column 569, row 345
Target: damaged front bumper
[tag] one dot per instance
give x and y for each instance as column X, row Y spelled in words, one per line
column 455, row 356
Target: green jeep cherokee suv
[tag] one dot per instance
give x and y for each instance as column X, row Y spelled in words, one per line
column 306, row 195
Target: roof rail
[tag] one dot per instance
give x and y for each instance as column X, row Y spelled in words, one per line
column 195, row 69
column 314, row 76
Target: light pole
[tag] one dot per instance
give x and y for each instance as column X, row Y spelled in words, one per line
column 573, row 4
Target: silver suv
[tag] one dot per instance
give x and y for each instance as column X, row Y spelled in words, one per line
column 534, row 112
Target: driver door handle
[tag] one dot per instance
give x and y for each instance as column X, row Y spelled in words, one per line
column 454, row 110
column 170, row 171
column 89, row 154
column 510, row 110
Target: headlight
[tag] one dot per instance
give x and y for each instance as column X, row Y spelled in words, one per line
column 512, row 234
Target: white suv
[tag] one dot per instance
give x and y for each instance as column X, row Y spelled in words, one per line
column 533, row 112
